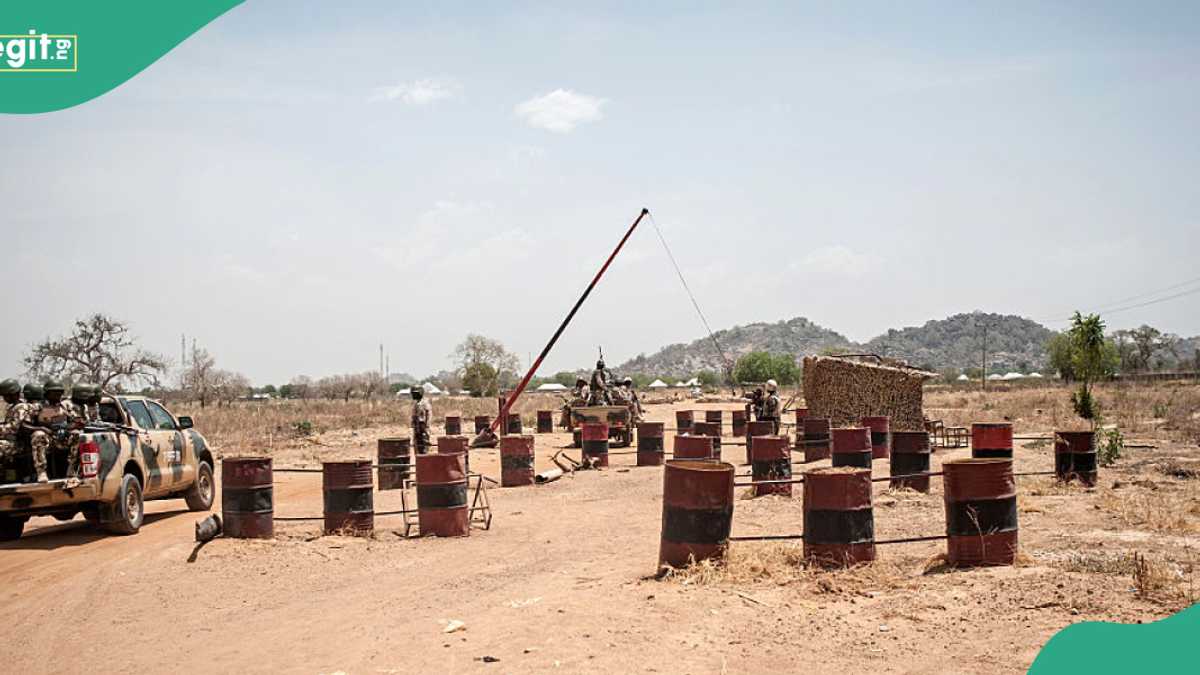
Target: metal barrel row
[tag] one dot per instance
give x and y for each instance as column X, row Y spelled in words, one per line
column 544, row 423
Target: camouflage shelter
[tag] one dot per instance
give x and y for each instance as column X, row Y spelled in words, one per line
column 848, row 388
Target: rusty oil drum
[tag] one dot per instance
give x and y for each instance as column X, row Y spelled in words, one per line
column 738, row 420
column 693, row 448
column 442, row 495
column 650, row 443
column 713, row 431
column 394, row 456
column 349, row 501
column 816, row 438
column 757, row 428
column 910, row 454
column 881, row 435
column 1075, row 456
column 852, row 447
column 545, row 421
column 514, row 424
column 453, row 445
column 453, row 425
column 839, row 521
column 990, row 441
column 248, row 497
column 714, row 417
column 772, row 460
column 482, row 422
column 516, row 461
column 981, row 512
column 801, row 415
column 697, row 512
column 683, row 421
column 594, row 439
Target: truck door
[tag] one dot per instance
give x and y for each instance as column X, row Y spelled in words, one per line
column 175, row 449
column 148, row 447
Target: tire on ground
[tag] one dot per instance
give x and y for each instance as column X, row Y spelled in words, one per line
column 124, row 516
column 199, row 497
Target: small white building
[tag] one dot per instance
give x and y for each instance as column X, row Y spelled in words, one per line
column 1013, row 376
column 658, row 384
column 551, row 386
column 963, row 378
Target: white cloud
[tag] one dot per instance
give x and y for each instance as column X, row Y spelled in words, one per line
column 837, row 260
column 418, row 92
column 560, row 111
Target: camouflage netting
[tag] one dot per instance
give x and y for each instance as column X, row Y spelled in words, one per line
column 846, row 390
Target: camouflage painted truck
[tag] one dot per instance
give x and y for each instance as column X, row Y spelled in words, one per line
column 139, row 451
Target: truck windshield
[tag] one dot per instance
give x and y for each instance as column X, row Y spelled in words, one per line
column 137, row 410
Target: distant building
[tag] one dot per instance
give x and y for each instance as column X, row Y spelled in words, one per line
column 551, row 386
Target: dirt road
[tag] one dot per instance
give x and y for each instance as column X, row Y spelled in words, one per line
column 560, row 583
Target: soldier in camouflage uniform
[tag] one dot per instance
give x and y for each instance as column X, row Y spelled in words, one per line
column 422, row 413
column 599, row 394
column 86, row 399
column 57, row 427
column 631, row 399
column 772, row 406
column 579, row 398
column 34, row 397
column 17, row 413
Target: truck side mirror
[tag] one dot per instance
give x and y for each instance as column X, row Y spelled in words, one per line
column 185, row 422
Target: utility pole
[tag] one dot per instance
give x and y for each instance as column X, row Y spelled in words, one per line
column 983, row 378
column 182, row 351
column 381, row 359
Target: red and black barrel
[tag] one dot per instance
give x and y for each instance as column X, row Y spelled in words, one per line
column 545, row 421
column 738, row 418
column 650, row 443
column 394, row 456
column 991, row 441
column 801, row 415
column 442, row 495
column 594, row 438
column 714, row 417
column 1075, row 456
column 839, row 522
column 453, row 445
column 816, row 438
column 692, row 447
column 981, row 511
column 757, row 428
column 482, row 422
column 248, row 497
column 910, row 455
column 881, row 435
column 697, row 512
column 713, row 431
column 516, row 461
column 683, row 421
column 772, row 460
column 514, row 424
column 576, row 438
column 349, row 498
column 852, row 447
column 453, row 425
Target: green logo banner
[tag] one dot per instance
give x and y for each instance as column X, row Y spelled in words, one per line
column 1166, row 646
column 55, row 55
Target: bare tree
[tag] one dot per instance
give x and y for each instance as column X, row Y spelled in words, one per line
column 483, row 363
column 200, row 378
column 229, row 386
column 371, row 383
column 99, row 349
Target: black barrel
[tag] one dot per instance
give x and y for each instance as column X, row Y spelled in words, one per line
column 816, row 438
column 482, row 422
column 709, row 429
column 395, row 462
column 453, row 425
column 650, row 443
column 545, row 421
column 683, row 421
column 349, row 501
column 1075, row 456
column 594, row 437
column 248, row 497
column 839, row 521
column 697, row 512
column 910, row 455
column 772, row 460
column 852, row 447
column 992, row 441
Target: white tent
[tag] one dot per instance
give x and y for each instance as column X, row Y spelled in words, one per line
column 679, row 383
column 657, row 384
column 1035, row 374
column 431, row 389
column 551, row 386
column 1013, row 376
column 995, row 376
column 694, row 382
column 963, row 378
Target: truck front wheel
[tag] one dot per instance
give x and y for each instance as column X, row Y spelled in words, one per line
column 200, row 496
column 126, row 513
column 11, row 528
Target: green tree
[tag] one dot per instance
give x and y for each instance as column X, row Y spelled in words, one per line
column 565, row 378
column 784, row 369
column 708, row 378
column 1059, row 350
column 1093, row 358
column 480, row 379
column 754, row 367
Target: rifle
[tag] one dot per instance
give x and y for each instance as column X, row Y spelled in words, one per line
column 111, row 426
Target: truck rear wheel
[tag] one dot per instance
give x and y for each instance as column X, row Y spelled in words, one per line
column 11, row 528
column 199, row 497
column 126, row 513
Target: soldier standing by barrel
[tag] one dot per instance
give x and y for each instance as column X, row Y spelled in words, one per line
column 58, row 427
column 17, row 413
column 422, row 413
column 771, row 405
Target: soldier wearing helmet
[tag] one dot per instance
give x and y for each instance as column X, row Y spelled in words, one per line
column 58, row 427
column 771, row 405
column 580, row 394
column 422, row 413
column 599, row 394
column 635, row 405
column 18, row 412
column 34, row 396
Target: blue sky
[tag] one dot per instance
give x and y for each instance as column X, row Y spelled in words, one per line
column 299, row 181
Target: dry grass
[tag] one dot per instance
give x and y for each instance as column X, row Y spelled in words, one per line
column 1166, row 511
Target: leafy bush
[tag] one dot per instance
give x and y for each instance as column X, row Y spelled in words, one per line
column 303, row 428
column 1109, row 445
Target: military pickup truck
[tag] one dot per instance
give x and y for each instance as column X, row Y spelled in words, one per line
column 138, row 451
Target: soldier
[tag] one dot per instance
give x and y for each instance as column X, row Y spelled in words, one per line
column 17, row 413
column 92, row 406
column 422, row 413
column 635, row 405
column 771, row 406
column 34, row 397
column 579, row 398
column 599, row 394
column 81, row 395
column 58, row 427
column 755, row 403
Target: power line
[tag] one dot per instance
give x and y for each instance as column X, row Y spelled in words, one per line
column 1119, row 305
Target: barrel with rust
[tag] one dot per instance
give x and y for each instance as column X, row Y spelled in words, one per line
column 248, row 497
column 683, row 421
column 650, row 443
column 594, row 439
column 516, row 461
column 772, row 460
column 738, row 422
column 839, row 521
column 442, row 495
column 693, row 447
column 450, row 445
column 852, row 447
column 394, row 456
column 816, row 438
column 1075, row 456
column 482, row 422
column 910, row 455
column 512, row 424
column 801, row 415
column 545, row 421
column 716, row 417
column 712, row 430
column 757, row 428
column 349, row 500
column 881, row 435
column 453, row 425
column 697, row 512
column 981, row 511
column 991, row 441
